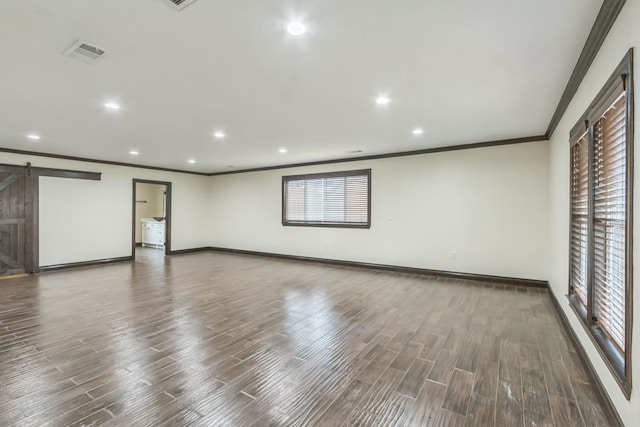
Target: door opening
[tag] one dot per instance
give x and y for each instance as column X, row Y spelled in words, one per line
column 151, row 228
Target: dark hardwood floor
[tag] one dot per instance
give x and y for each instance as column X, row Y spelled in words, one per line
column 210, row 339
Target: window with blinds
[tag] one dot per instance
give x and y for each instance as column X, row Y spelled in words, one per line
column 600, row 282
column 579, row 217
column 609, row 220
column 334, row 199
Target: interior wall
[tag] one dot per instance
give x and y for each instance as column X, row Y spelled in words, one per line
column 624, row 35
column 91, row 220
column 159, row 196
column 489, row 206
column 148, row 204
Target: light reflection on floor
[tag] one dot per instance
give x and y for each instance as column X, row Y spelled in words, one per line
column 150, row 255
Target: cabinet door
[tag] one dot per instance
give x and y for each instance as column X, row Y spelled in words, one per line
column 159, row 238
column 148, row 234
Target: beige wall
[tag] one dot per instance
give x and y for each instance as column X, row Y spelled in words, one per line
column 624, row 35
column 423, row 209
column 488, row 205
column 160, row 208
column 91, row 220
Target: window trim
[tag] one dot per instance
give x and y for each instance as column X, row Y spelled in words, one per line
column 618, row 363
column 356, row 172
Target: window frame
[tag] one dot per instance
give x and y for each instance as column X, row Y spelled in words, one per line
column 338, row 174
column 618, row 362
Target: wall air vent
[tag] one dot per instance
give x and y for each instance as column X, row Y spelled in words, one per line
column 179, row 4
column 85, row 52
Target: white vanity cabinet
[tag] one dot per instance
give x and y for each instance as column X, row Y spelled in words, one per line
column 153, row 232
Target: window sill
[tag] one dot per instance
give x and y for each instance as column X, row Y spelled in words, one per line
column 613, row 358
column 325, row 224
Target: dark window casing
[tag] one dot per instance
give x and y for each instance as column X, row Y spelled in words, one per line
column 332, row 199
column 601, row 220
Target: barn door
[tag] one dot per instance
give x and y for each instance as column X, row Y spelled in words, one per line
column 13, row 220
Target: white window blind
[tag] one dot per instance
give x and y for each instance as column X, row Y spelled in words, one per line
column 331, row 199
column 610, row 204
column 579, row 217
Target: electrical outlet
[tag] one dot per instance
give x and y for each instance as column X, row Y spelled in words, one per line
column 453, row 254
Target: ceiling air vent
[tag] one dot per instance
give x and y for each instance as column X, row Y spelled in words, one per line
column 180, row 4
column 85, row 52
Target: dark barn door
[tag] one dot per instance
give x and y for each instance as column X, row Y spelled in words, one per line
column 13, row 220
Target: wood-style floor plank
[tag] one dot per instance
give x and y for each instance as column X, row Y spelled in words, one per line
column 432, row 346
column 509, row 409
column 375, row 399
column 427, row 403
column 535, row 399
column 407, row 355
column 377, row 366
column 443, row 366
column 557, row 378
column 481, row 412
column 456, row 399
column 360, row 418
column 412, row 382
column 340, row 410
column 565, row 412
column 510, row 361
column 470, row 353
column 219, row 339
column 589, row 405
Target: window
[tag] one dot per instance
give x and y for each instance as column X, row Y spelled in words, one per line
column 336, row 199
column 579, row 217
column 600, row 282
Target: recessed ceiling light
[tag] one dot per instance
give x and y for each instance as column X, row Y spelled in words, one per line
column 296, row 28
column 111, row 106
column 283, row 150
column 417, row 131
column 219, row 134
column 33, row 137
column 383, row 100
column 192, row 161
column 134, row 152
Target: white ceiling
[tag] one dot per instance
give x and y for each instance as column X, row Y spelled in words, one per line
column 465, row 70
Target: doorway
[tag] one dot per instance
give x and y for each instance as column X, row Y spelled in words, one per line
column 151, row 219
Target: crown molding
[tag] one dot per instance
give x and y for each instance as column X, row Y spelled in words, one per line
column 104, row 162
column 604, row 21
column 394, row 154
